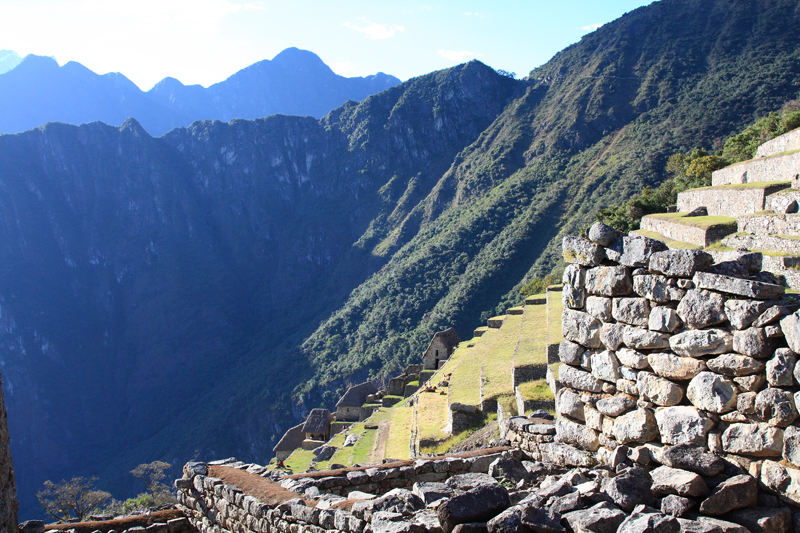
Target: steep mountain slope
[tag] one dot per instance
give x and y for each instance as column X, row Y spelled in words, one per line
column 211, row 285
column 295, row 82
column 8, row 60
column 157, row 286
column 596, row 124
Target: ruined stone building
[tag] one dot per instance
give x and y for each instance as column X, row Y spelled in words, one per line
column 351, row 405
column 440, row 349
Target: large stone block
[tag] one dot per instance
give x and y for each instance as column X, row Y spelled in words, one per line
column 752, row 342
column 668, row 480
column 742, row 313
column 573, row 293
column 781, row 367
column 636, row 426
column 633, row 311
column 642, row 339
column 603, row 235
column 570, row 353
column 575, row 378
column 731, row 364
column 634, row 251
column 658, row 390
column 605, row 366
column 655, row 288
column 580, row 251
column 776, row 407
column 679, row 263
column 611, row 335
column 663, row 319
column 580, row 327
column 569, row 403
column 697, row 343
column 683, row 424
column 736, row 286
column 790, row 325
column 671, row 366
column 632, row 358
column 758, row 440
column 599, row 307
column 569, row 432
column 711, row 392
column 700, row 309
column 609, row 281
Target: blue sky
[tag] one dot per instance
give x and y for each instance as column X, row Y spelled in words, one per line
column 205, row 41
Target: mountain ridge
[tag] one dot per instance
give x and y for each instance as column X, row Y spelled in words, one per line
column 295, row 82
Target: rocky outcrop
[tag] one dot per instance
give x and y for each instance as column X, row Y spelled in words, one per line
column 8, row 488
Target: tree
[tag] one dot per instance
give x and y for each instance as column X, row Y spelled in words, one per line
column 152, row 474
column 76, row 498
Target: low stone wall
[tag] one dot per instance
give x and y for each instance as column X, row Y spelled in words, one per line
column 785, row 143
column 767, row 243
column 781, row 202
column 770, row 225
column 659, row 352
column 213, row 506
column 774, row 168
column 729, row 203
column 682, row 232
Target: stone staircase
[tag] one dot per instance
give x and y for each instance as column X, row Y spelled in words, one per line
column 752, row 205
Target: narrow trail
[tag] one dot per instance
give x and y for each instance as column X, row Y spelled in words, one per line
column 379, row 451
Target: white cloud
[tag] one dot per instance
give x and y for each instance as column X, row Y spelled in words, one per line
column 255, row 6
column 373, row 30
column 474, row 14
column 591, row 27
column 457, row 56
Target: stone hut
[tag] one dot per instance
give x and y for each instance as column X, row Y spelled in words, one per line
column 440, row 349
column 317, row 429
column 350, row 405
column 291, row 440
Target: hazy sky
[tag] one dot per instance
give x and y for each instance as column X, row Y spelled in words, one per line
column 205, row 41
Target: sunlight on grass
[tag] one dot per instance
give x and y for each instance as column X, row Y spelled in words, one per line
column 498, row 362
column 397, row 447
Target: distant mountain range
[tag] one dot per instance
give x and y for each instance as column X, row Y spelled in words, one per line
column 295, row 82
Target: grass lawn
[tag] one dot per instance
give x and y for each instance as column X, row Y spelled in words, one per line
column 532, row 336
column 397, row 447
column 535, row 390
column 498, row 362
column 744, row 186
column 466, row 379
column 431, row 416
column 697, row 222
column 300, row 460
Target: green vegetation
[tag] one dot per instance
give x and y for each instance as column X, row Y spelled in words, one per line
column 73, row 499
column 705, row 222
column 669, row 242
column 498, row 363
column 532, row 337
column 465, row 382
column 535, row 390
column 745, row 186
column 431, row 419
column 397, row 447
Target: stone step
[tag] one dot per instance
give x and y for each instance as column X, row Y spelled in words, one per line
column 770, row 224
column 783, row 143
column 730, row 200
column 700, row 231
column 496, row 321
column 515, row 311
column 779, row 167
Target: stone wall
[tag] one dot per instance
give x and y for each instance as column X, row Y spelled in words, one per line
column 8, row 489
column 660, row 352
column 729, row 203
column 763, row 242
column 770, row 224
column 774, row 168
column 215, row 507
column 785, row 143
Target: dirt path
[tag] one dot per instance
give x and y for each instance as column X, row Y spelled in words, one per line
column 379, row 452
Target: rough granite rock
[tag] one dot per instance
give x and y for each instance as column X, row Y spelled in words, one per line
column 655, row 288
column 711, row 392
column 632, row 358
column 630, row 488
column 569, row 432
column 634, row 251
column 575, row 378
column 580, row 327
column 694, row 458
column 680, row 263
column 609, row 281
column 738, row 287
column 790, row 325
column 476, row 505
column 649, row 521
column 734, row 365
column 733, row 493
column 752, row 342
column 675, row 505
column 791, row 445
column 682, row 424
column 580, row 251
column 783, row 481
column 742, row 313
column 599, row 307
column 658, row 390
column 570, row 353
column 569, row 403
column 611, row 335
column 781, row 367
column 605, row 366
column 763, row 519
column 776, row 407
column 636, row 426
column 630, row 310
column 602, row 234
column 663, row 319
column 697, row 343
column 759, row 440
column 700, row 309
column 615, row 405
column 642, row 339
column 668, row 480
column 601, row 518
column 671, row 366
column 573, row 294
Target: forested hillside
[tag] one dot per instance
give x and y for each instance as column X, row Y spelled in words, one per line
column 201, row 291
